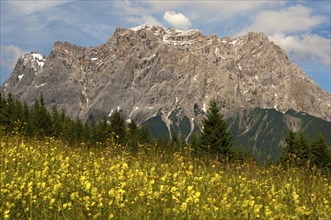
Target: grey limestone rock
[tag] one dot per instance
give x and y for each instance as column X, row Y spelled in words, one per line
column 149, row 70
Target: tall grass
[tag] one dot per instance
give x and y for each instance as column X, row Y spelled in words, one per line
column 49, row 180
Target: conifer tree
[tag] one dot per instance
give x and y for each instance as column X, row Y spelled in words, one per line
column 144, row 135
column 302, row 149
column 35, row 117
column 175, row 139
column 93, row 133
column 1, row 100
column 2, row 110
column 26, row 120
column 215, row 137
column 45, row 117
column 41, row 118
column 56, row 122
column 118, row 128
column 132, row 135
column 319, row 152
column 18, row 112
column 289, row 151
column 78, row 129
column 9, row 113
column 195, row 142
column 297, row 149
column 86, row 137
column 161, row 142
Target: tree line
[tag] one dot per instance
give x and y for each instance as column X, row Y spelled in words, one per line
column 37, row 121
column 300, row 151
column 215, row 140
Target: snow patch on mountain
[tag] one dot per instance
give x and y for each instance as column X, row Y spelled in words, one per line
column 38, row 86
column 192, row 129
column 35, row 60
column 20, row 77
column 179, row 37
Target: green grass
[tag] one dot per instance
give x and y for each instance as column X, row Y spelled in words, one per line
column 49, row 180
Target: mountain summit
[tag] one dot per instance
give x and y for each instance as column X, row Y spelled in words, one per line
column 151, row 71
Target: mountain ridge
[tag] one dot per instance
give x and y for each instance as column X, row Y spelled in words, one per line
column 148, row 70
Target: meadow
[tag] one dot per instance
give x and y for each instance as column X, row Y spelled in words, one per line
column 47, row 179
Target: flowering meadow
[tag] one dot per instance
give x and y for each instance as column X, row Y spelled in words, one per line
column 50, row 180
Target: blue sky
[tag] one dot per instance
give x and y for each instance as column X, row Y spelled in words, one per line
column 302, row 28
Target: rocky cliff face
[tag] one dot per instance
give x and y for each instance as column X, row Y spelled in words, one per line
column 149, row 71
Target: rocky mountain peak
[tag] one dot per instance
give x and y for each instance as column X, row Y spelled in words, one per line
column 34, row 59
column 28, row 66
column 256, row 36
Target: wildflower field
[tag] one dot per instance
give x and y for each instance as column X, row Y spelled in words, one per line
column 49, row 180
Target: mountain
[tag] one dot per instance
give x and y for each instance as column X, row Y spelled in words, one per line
column 154, row 74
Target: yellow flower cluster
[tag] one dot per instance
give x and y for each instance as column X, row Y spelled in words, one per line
column 49, row 180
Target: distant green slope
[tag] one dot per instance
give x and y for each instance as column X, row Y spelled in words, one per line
column 263, row 131
column 260, row 131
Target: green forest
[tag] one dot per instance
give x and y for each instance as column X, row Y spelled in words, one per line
column 215, row 140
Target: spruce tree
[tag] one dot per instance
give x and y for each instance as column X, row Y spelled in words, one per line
column 302, row 149
column 193, row 139
column 56, row 122
column 41, row 118
column 18, row 112
column 3, row 112
column 144, row 135
column 26, row 120
column 132, row 135
column 175, row 139
column 319, row 152
column 9, row 113
column 93, row 132
column 289, row 151
column 297, row 149
column 45, row 118
column 118, row 128
column 78, row 129
column 35, row 117
column 215, row 137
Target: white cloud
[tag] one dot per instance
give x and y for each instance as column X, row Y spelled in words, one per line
column 129, row 8
column 305, row 46
column 211, row 8
column 9, row 55
column 145, row 19
column 289, row 20
column 228, row 9
column 29, row 7
column 177, row 20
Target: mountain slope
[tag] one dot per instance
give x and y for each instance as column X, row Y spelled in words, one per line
column 263, row 131
column 260, row 131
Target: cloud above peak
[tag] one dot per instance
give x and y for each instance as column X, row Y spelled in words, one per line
column 9, row 55
column 288, row 20
column 178, row 20
column 144, row 19
column 305, row 46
